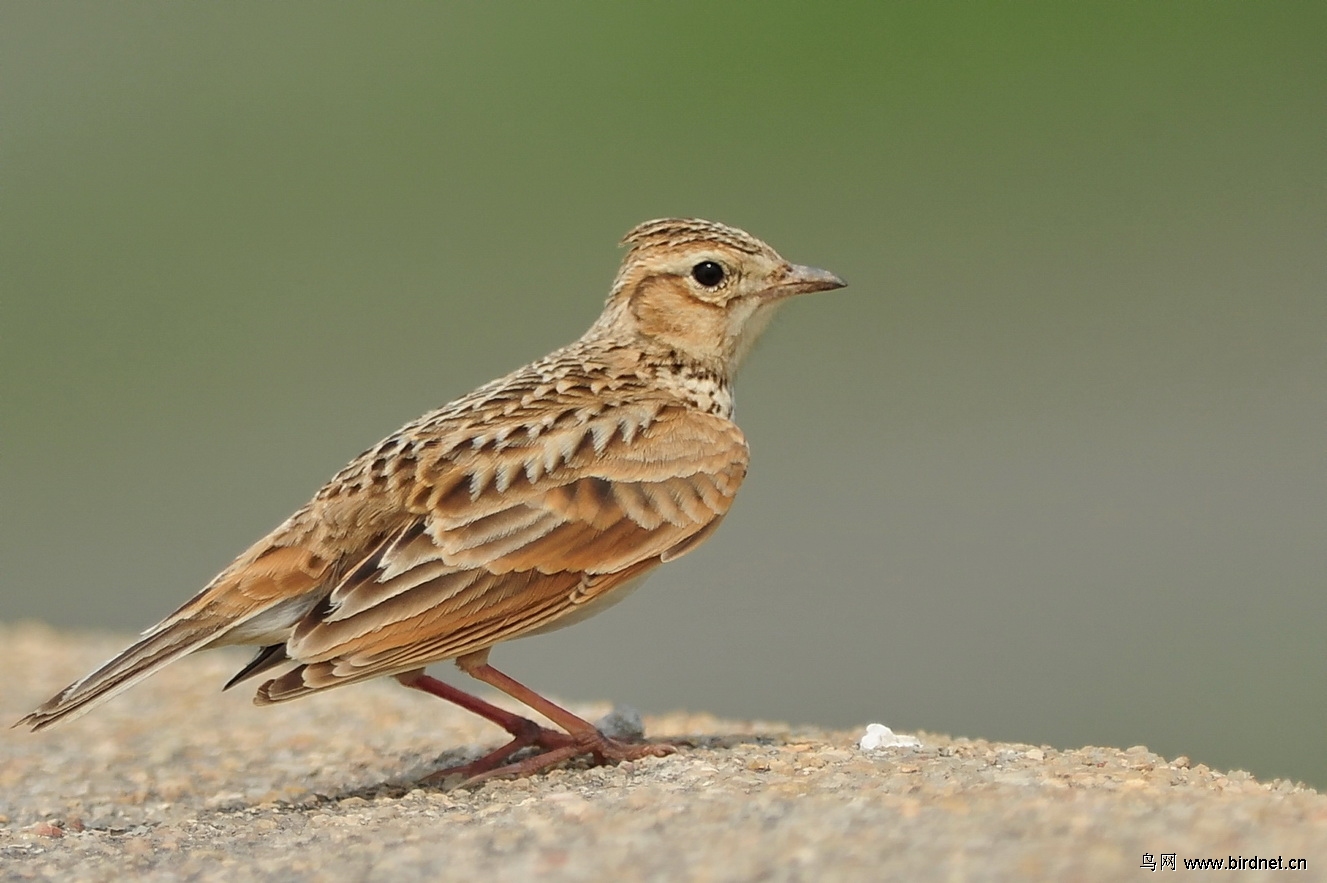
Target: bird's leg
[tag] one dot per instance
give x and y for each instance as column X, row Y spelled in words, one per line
column 524, row 731
column 582, row 738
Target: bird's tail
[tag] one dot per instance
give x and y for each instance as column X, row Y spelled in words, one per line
column 267, row 580
column 158, row 648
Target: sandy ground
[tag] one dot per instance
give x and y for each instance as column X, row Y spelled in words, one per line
column 173, row 781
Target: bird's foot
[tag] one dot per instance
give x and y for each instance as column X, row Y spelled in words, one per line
column 527, row 734
column 557, row 747
column 579, row 737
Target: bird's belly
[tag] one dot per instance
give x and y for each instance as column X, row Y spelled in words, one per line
column 590, row 608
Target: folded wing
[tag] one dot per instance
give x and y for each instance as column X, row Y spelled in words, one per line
column 505, row 540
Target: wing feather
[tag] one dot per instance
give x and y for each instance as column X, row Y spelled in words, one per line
column 506, row 546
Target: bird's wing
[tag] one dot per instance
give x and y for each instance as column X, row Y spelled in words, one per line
column 506, row 536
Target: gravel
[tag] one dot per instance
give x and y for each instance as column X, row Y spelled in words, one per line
column 174, row 781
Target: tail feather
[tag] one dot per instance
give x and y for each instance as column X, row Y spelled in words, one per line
column 255, row 600
column 152, row 652
column 267, row 658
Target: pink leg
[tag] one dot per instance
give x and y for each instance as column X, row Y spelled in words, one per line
column 524, row 731
column 581, row 738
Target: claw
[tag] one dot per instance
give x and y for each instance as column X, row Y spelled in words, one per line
column 555, row 746
column 605, row 751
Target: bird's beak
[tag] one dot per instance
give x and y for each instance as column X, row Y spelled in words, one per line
column 804, row 280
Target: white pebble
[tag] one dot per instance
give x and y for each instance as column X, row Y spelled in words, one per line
column 879, row 737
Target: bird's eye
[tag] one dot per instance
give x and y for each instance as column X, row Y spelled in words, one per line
column 707, row 273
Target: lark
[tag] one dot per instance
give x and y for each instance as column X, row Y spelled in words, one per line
column 529, row 504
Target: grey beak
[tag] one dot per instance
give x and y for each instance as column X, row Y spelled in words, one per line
column 804, row 280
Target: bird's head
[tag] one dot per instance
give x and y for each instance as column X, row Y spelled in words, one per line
column 703, row 289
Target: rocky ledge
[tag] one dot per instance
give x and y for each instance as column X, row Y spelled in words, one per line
column 172, row 781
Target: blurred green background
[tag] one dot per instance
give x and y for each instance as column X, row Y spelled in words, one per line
column 1052, row 468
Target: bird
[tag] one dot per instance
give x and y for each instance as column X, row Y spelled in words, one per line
column 534, row 501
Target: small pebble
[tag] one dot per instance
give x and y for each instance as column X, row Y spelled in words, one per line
column 879, row 737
